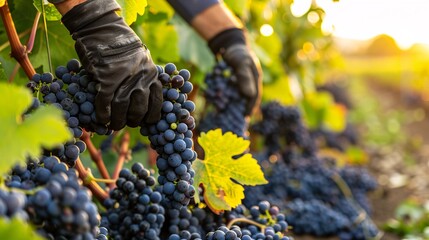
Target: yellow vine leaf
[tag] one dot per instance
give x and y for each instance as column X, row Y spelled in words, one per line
column 130, row 9
column 2, row 2
column 220, row 174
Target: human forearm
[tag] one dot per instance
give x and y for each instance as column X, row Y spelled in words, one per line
column 64, row 7
column 215, row 19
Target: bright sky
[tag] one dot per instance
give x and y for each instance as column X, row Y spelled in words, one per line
column 407, row 21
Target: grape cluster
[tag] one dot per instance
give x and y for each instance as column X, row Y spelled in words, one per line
column 63, row 208
column 201, row 223
column 249, row 233
column 264, row 214
column 72, row 91
column 336, row 140
column 361, row 226
column 312, row 184
column 35, row 173
column 315, row 198
column 282, row 127
column 313, row 216
column 171, row 137
column 12, row 205
column 360, row 183
column 69, row 151
column 183, row 224
column 133, row 209
column 229, row 105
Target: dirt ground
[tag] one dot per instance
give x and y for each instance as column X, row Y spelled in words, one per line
column 398, row 179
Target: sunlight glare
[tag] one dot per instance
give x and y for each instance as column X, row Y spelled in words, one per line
column 266, row 30
column 405, row 21
column 313, row 17
column 300, row 7
column 328, row 26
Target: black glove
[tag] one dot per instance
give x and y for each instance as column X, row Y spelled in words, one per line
column 129, row 93
column 231, row 44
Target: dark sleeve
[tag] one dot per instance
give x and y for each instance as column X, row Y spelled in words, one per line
column 188, row 9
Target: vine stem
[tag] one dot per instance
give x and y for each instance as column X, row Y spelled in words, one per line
column 14, row 72
column 102, row 180
column 84, row 174
column 152, row 156
column 20, row 35
column 45, row 28
column 95, row 154
column 123, row 153
column 30, row 41
column 245, row 220
column 19, row 52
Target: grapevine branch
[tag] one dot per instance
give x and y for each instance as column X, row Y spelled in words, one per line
column 29, row 45
column 19, row 51
column 152, row 156
column 21, row 35
column 123, row 154
column 95, row 155
column 84, row 174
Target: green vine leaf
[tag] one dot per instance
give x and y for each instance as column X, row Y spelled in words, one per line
column 238, row 6
column 17, row 230
column 220, row 174
column 23, row 137
column 130, row 9
column 2, row 74
column 51, row 12
column 161, row 6
column 192, row 47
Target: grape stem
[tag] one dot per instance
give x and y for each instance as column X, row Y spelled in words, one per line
column 27, row 191
column 123, row 154
column 92, row 178
column 95, row 154
column 45, row 28
column 245, row 220
column 19, row 51
column 24, row 191
column 14, row 72
column 93, row 186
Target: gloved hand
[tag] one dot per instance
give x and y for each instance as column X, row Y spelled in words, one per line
column 129, row 93
column 231, row 44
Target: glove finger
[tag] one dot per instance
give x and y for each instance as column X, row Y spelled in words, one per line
column 155, row 103
column 103, row 101
column 250, row 105
column 120, row 105
column 247, row 81
column 138, row 107
column 255, row 101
